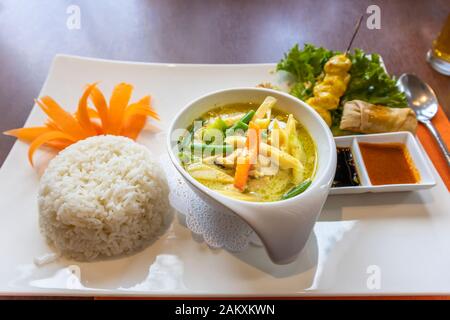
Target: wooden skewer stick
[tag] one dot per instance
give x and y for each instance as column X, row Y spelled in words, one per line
column 355, row 32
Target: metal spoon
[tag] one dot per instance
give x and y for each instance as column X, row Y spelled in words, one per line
column 422, row 99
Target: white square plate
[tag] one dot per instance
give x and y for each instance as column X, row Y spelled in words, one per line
column 391, row 243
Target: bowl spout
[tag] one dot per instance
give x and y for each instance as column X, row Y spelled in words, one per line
column 285, row 226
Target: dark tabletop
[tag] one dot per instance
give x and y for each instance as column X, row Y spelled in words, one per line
column 195, row 31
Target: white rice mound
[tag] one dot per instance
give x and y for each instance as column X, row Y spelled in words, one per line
column 101, row 197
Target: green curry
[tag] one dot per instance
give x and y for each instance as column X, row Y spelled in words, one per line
column 250, row 152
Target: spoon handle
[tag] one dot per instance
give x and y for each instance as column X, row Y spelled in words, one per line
column 439, row 140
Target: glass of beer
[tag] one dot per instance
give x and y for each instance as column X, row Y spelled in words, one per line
column 439, row 55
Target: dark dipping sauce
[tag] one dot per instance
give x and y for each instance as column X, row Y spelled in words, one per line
column 388, row 163
column 346, row 174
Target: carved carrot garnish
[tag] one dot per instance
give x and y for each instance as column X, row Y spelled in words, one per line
column 63, row 129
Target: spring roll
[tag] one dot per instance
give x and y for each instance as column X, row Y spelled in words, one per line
column 363, row 117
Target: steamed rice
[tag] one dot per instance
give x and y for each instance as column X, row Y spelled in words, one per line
column 102, row 197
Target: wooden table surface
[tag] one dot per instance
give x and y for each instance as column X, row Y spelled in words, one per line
column 196, row 31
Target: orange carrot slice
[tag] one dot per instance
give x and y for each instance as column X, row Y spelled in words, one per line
column 93, row 113
column 117, row 105
column 27, row 134
column 100, row 104
column 63, row 119
column 61, row 129
column 134, row 120
column 138, row 109
column 141, row 107
column 98, row 128
column 82, row 114
column 58, row 144
column 44, row 138
column 51, row 125
column 133, row 126
column 143, row 103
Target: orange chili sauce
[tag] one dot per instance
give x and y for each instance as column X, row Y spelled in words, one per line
column 388, row 163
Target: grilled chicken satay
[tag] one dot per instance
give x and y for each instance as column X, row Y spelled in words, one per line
column 328, row 92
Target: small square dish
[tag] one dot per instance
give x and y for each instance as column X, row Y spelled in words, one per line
column 361, row 181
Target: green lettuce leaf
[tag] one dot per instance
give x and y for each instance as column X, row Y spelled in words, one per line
column 370, row 82
column 305, row 65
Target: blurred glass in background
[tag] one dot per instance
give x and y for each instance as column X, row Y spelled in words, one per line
column 439, row 55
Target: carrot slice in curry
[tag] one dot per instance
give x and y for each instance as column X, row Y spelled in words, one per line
column 241, row 174
column 245, row 162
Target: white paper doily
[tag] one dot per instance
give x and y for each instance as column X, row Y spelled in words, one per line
column 218, row 229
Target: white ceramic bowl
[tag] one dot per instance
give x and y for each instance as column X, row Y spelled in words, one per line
column 283, row 226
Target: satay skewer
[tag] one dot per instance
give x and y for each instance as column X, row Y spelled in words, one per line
column 355, row 32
